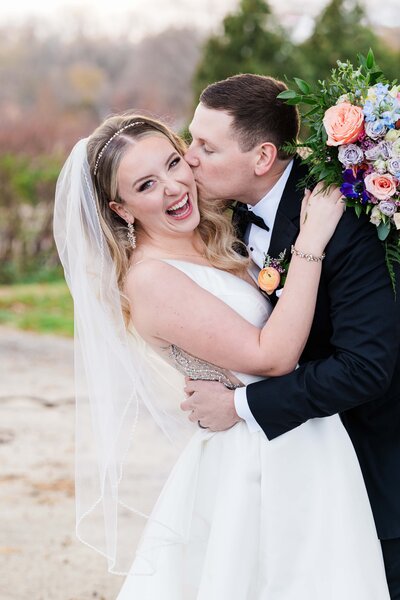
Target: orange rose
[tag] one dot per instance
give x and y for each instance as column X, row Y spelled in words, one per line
column 268, row 279
column 343, row 123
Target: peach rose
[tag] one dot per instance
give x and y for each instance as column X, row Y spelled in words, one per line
column 380, row 186
column 343, row 123
column 268, row 279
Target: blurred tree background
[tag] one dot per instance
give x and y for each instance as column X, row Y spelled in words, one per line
column 57, row 88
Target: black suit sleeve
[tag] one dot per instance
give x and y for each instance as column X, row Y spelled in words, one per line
column 365, row 336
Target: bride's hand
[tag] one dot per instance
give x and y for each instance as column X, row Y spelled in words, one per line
column 321, row 211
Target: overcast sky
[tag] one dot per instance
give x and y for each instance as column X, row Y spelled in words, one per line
column 147, row 16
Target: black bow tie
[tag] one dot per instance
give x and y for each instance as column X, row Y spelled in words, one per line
column 247, row 216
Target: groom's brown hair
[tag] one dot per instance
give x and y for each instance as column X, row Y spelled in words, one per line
column 258, row 115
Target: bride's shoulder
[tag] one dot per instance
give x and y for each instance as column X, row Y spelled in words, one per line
column 151, row 274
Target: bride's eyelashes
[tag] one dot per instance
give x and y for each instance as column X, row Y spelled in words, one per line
column 146, row 185
column 177, row 159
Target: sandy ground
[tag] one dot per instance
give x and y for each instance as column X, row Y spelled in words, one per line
column 40, row 558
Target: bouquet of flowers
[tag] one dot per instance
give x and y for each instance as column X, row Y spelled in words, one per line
column 354, row 142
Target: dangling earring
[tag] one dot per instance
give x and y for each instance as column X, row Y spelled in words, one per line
column 131, row 235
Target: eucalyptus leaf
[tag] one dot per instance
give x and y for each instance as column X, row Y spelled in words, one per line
column 302, row 85
column 287, row 94
column 308, row 100
column 383, row 230
column 313, row 111
column 294, row 101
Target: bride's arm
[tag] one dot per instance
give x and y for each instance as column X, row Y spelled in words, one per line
column 170, row 308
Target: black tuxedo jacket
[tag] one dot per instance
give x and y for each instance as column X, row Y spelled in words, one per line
column 351, row 363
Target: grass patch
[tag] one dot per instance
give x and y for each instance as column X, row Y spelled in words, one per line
column 41, row 307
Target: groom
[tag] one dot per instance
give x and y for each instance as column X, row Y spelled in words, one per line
column 351, row 363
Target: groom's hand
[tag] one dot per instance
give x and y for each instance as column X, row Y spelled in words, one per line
column 211, row 404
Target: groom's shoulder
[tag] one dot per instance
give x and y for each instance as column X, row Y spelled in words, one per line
column 356, row 236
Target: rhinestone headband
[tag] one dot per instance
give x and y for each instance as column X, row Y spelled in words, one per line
column 111, row 139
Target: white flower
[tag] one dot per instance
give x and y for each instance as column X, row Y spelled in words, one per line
column 380, row 166
column 343, row 98
column 396, row 147
column 392, row 135
column 371, row 95
column 396, row 219
column 395, row 91
column 376, row 216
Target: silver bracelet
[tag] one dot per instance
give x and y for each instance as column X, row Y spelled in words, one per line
column 309, row 257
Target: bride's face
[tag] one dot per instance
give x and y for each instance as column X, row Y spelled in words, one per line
column 157, row 187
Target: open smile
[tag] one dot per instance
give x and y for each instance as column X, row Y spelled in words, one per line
column 181, row 209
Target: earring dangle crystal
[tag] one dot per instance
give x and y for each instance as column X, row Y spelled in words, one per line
column 131, row 235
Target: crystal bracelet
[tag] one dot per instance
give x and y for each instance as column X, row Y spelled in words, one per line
column 309, row 257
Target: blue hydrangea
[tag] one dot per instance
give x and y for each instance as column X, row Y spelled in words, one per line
column 368, row 111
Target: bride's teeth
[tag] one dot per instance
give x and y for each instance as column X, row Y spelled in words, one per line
column 179, row 204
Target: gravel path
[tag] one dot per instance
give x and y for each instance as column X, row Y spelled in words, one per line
column 40, row 558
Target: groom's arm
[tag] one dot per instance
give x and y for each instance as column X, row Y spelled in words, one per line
column 365, row 337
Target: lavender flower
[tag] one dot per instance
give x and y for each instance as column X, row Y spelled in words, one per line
column 375, row 129
column 350, row 155
column 387, row 207
column 383, row 151
column 393, row 166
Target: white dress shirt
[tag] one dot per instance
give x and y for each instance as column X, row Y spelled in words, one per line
column 258, row 241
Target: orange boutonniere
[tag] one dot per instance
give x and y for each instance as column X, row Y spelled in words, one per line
column 273, row 273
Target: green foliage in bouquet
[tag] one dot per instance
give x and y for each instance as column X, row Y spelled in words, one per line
column 354, row 143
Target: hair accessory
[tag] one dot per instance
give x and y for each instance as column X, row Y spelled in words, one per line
column 111, row 139
column 308, row 257
column 131, row 235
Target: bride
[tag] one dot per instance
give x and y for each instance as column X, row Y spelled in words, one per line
column 160, row 292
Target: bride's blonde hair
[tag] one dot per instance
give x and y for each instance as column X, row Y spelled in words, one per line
column 106, row 147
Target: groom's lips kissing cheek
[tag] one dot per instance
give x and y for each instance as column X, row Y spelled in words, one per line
column 180, row 209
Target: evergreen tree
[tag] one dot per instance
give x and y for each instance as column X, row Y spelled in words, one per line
column 251, row 41
column 341, row 32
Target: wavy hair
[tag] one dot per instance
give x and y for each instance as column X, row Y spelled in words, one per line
column 106, row 147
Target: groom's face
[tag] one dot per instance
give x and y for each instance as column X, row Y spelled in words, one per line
column 221, row 169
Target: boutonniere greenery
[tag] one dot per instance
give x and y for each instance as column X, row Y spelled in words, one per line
column 274, row 272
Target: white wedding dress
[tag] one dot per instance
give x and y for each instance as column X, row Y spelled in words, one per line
column 245, row 518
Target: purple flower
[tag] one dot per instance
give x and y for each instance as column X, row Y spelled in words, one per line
column 367, row 144
column 375, row 129
column 383, row 151
column 353, row 185
column 387, row 207
column 393, row 166
column 350, row 155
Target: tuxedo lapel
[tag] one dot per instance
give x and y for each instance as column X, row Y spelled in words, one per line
column 287, row 218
